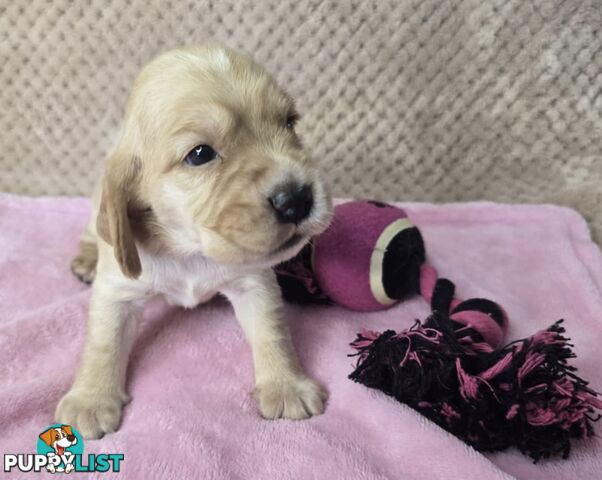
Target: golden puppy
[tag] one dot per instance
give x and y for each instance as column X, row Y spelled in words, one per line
column 207, row 188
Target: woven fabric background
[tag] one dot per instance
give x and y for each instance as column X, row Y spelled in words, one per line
column 402, row 100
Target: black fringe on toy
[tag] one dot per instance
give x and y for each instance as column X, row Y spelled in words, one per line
column 524, row 395
column 297, row 281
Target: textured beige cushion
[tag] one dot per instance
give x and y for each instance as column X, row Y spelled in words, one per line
column 407, row 100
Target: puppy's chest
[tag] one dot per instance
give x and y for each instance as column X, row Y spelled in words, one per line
column 190, row 284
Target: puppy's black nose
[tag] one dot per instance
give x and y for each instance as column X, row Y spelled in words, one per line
column 292, row 203
column 71, row 438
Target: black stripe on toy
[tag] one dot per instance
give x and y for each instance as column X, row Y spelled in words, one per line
column 403, row 258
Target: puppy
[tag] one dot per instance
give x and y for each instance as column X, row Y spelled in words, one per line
column 59, row 439
column 207, row 188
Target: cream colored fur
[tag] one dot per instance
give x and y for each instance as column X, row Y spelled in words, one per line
column 162, row 227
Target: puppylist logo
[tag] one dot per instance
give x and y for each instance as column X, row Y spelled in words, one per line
column 60, row 449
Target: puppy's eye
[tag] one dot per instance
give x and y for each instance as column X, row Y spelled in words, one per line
column 291, row 121
column 200, row 155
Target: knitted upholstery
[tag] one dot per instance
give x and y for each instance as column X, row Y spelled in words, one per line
column 400, row 100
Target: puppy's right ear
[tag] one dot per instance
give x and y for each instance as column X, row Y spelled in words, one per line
column 113, row 223
column 46, row 437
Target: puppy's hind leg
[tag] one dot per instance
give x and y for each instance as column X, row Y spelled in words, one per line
column 83, row 265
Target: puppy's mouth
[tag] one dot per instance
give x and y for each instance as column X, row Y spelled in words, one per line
column 291, row 242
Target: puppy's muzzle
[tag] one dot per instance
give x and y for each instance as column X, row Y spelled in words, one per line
column 292, row 203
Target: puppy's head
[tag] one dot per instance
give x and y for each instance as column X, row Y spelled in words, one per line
column 209, row 162
column 59, row 436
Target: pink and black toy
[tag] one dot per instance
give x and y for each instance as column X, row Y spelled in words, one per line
column 451, row 367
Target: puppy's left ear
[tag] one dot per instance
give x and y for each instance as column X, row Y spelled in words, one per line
column 67, row 429
column 113, row 223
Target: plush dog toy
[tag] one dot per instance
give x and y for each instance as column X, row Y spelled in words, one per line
column 452, row 367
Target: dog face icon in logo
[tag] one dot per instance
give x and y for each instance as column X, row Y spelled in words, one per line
column 60, row 439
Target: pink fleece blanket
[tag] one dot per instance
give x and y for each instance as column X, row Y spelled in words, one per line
column 190, row 373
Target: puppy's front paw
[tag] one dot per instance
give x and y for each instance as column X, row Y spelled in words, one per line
column 92, row 413
column 295, row 398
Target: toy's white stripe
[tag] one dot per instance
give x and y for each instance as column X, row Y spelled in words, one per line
column 378, row 255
